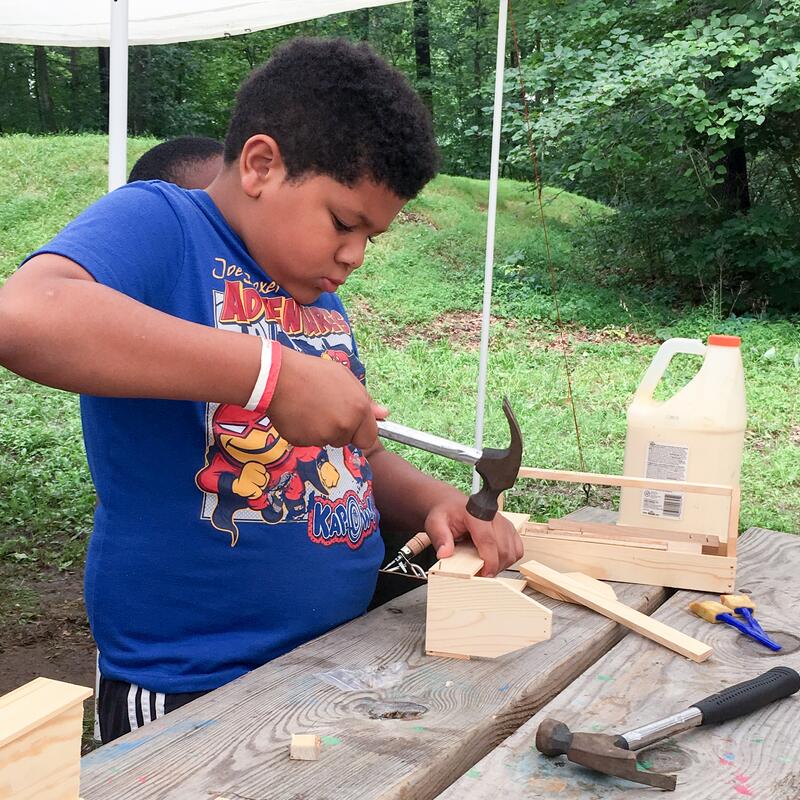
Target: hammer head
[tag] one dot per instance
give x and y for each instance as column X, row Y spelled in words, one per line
column 597, row 751
column 498, row 468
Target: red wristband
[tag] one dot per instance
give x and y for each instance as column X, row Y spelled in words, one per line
column 267, row 379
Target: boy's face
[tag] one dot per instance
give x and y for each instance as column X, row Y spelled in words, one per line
column 310, row 234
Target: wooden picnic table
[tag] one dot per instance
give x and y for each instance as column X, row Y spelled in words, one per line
column 427, row 724
column 411, row 738
column 637, row 682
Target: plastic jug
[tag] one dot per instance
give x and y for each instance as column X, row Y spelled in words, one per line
column 696, row 435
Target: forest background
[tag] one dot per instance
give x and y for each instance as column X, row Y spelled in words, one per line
column 682, row 117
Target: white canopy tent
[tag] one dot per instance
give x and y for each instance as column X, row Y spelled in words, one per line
column 120, row 23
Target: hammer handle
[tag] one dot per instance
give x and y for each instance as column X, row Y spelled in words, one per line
column 735, row 701
column 749, row 696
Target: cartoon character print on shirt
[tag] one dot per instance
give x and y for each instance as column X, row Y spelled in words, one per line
column 251, row 466
column 251, row 473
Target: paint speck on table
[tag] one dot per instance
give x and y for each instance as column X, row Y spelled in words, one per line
column 331, row 741
column 419, row 729
column 605, row 678
column 474, row 773
column 505, row 687
column 740, row 785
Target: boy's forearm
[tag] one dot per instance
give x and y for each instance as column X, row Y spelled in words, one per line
column 404, row 495
column 61, row 328
column 79, row 335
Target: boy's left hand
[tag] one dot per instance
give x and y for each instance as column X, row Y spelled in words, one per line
column 497, row 542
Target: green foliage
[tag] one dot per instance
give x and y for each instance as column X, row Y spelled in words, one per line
column 684, row 118
column 752, row 261
column 189, row 87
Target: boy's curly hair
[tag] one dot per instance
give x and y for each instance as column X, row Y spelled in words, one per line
column 337, row 109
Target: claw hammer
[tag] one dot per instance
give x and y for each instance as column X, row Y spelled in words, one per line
column 616, row 755
column 498, row 469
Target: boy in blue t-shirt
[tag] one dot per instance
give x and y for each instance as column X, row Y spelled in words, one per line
column 228, row 431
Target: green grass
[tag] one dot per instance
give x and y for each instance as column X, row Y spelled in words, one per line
column 426, row 269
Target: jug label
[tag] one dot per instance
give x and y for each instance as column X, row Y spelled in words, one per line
column 665, row 462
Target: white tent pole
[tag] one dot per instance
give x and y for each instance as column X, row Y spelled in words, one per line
column 118, row 95
column 494, row 171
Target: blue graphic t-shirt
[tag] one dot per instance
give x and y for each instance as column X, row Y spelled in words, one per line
column 217, row 546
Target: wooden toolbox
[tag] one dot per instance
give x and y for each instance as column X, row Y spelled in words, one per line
column 681, row 560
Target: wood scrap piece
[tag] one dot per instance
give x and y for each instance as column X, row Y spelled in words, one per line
column 574, row 536
column 631, row 532
column 305, row 747
column 540, row 575
column 602, row 590
column 481, row 617
column 464, row 563
column 517, row 584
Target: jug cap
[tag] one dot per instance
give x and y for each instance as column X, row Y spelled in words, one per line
column 721, row 340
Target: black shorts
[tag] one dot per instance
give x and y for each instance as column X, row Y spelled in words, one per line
column 124, row 707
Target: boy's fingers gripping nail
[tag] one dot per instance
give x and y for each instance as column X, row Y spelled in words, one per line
column 441, row 537
column 366, row 433
column 445, row 550
column 379, row 411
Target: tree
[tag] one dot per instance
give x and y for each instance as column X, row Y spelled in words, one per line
column 422, row 52
column 41, row 80
column 683, row 113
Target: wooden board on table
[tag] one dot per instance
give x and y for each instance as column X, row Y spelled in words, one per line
column 540, row 576
column 409, row 739
column 639, row 682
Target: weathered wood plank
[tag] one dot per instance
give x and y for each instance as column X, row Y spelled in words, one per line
column 235, row 741
column 638, row 682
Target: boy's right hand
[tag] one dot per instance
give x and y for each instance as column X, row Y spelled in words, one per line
column 317, row 402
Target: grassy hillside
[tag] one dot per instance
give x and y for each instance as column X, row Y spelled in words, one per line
column 416, row 307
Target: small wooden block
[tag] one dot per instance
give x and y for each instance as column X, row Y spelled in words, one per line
column 305, row 747
column 464, row 563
